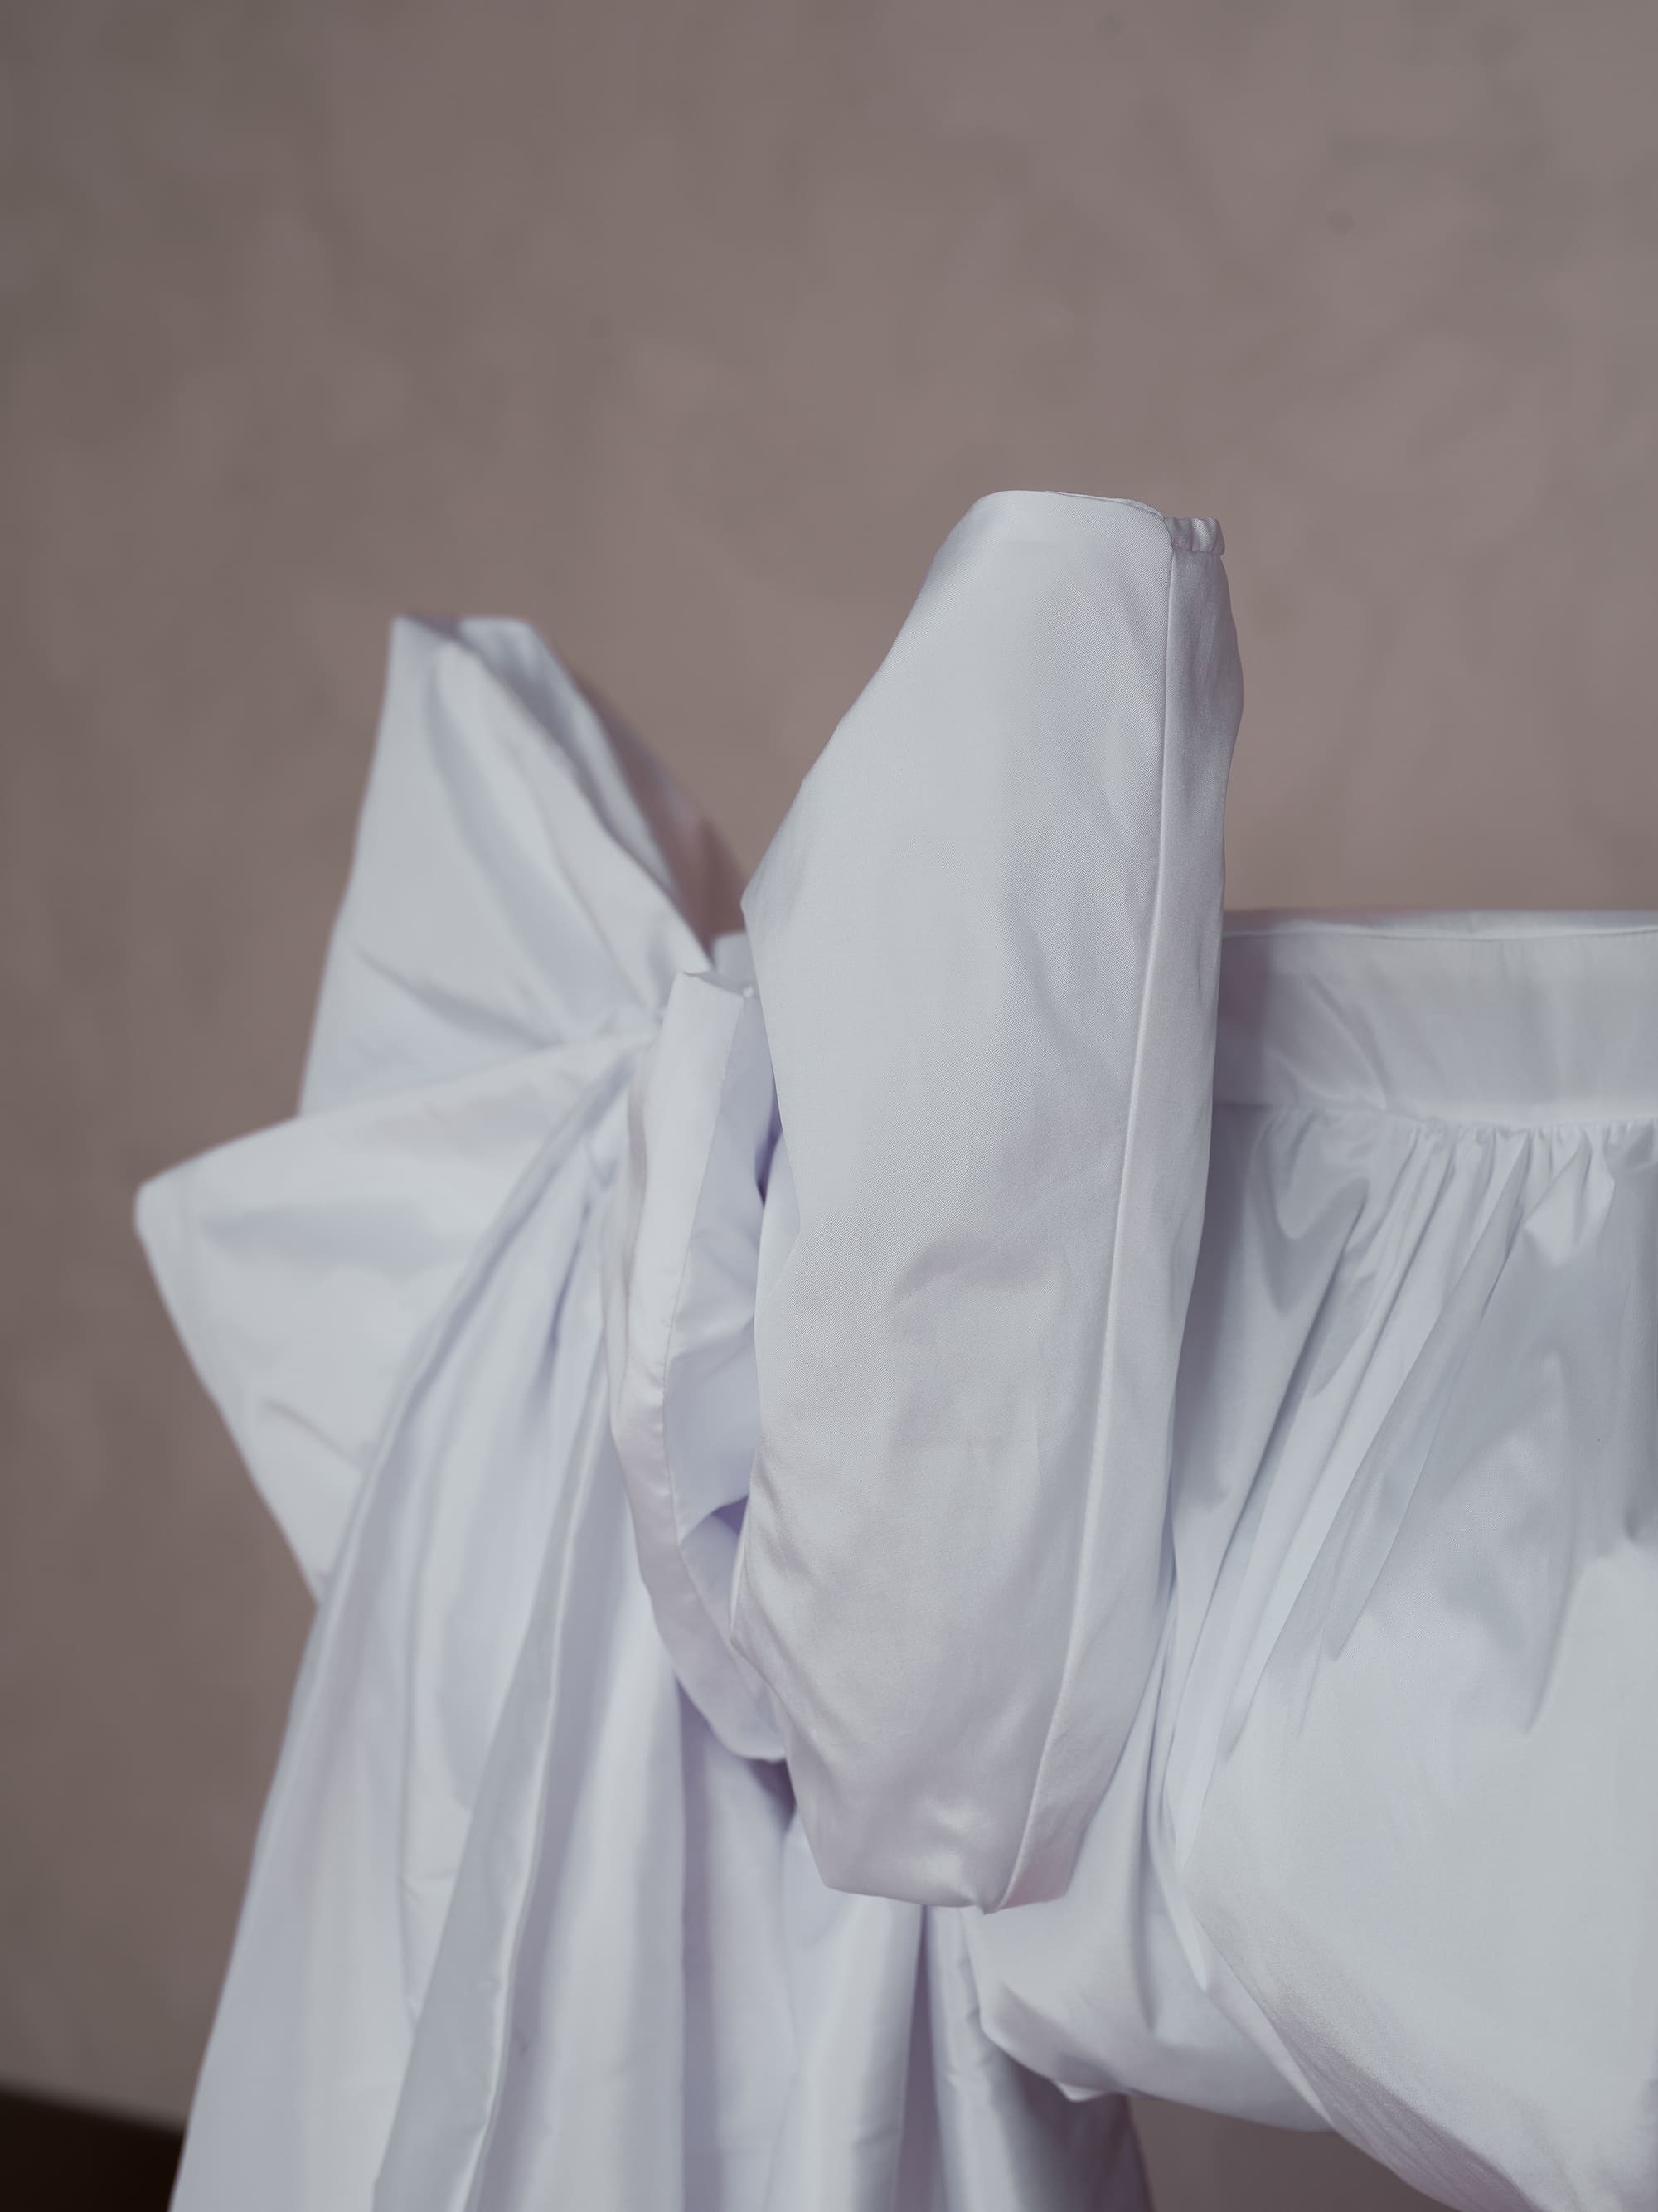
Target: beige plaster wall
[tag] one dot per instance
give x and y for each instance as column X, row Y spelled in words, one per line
column 686, row 330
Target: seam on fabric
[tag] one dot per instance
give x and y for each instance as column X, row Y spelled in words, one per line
column 1093, row 1505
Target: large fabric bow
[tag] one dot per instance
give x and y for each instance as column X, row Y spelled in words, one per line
column 521, row 1920
column 910, row 1219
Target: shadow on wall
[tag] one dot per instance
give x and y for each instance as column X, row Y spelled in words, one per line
column 69, row 2158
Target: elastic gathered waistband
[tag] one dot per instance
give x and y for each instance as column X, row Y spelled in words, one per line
column 1494, row 1018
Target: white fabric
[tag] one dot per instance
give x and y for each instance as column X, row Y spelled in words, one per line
column 520, row 1930
column 1393, row 1807
column 986, row 940
column 1232, row 1552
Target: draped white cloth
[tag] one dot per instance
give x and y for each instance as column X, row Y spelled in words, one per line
column 976, row 1496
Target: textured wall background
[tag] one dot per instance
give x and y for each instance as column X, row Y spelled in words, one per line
column 687, row 331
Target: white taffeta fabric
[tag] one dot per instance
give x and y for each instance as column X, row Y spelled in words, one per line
column 990, row 1491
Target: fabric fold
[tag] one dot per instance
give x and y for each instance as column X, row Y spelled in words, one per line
column 985, row 941
column 978, row 1498
column 531, row 1917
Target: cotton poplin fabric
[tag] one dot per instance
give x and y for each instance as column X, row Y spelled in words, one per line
column 986, row 1491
